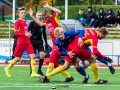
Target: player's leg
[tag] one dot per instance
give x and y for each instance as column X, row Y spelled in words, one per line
column 41, row 60
column 53, row 61
column 56, row 71
column 18, row 53
column 12, row 63
column 81, row 71
column 34, row 47
column 41, row 50
column 50, row 68
column 30, row 50
column 33, row 66
column 111, row 68
column 95, row 71
column 59, row 69
column 69, row 78
column 86, row 55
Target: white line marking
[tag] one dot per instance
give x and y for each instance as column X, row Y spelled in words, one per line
column 57, row 85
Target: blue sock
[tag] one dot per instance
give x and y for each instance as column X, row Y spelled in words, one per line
column 102, row 60
column 81, row 71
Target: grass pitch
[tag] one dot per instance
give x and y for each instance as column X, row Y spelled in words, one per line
column 21, row 80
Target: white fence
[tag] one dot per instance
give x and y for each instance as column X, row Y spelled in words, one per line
column 107, row 47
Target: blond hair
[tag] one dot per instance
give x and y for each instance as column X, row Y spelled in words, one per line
column 39, row 12
column 21, row 8
column 58, row 30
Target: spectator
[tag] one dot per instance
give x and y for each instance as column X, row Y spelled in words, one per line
column 80, row 15
column 118, row 19
column 89, row 18
column 100, row 19
column 110, row 17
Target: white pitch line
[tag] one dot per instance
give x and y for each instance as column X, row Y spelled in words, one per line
column 57, row 85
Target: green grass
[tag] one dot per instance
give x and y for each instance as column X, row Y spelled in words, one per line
column 21, row 80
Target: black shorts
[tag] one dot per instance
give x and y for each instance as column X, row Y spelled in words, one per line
column 38, row 47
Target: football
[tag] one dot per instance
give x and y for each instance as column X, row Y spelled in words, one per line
column 84, row 64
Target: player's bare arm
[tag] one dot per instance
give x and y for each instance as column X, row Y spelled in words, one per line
column 80, row 42
column 28, row 34
column 71, row 54
column 46, row 5
column 35, row 19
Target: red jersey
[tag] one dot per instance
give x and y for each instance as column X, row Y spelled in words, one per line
column 91, row 39
column 20, row 30
column 55, row 22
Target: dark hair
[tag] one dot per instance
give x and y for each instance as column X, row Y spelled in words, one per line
column 89, row 7
column 101, row 9
column 103, row 30
column 44, row 12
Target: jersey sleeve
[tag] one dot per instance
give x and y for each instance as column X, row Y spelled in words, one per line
column 17, row 31
column 80, row 32
column 95, row 49
column 62, row 51
column 76, row 32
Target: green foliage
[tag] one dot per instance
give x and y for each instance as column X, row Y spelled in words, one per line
column 70, row 2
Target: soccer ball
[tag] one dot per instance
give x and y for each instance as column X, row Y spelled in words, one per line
column 53, row 87
column 84, row 64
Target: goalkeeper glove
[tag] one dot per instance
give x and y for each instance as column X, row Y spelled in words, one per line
column 108, row 59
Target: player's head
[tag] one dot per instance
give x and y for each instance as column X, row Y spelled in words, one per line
column 81, row 11
column 89, row 9
column 47, row 15
column 102, row 33
column 58, row 32
column 39, row 15
column 21, row 12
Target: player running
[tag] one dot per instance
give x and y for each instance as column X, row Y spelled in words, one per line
column 23, row 43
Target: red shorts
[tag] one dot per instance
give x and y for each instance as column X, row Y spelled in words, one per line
column 21, row 47
column 80, row 52
column 55, row 56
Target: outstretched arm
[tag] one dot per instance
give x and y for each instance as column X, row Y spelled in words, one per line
column 35, row 19
column 46, row 5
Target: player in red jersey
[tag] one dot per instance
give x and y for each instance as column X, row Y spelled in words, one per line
column 23, row 43
column 81, row 53
column 91, row 39
column 52, row 21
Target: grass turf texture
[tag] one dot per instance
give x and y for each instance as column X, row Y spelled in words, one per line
column 21, row 80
